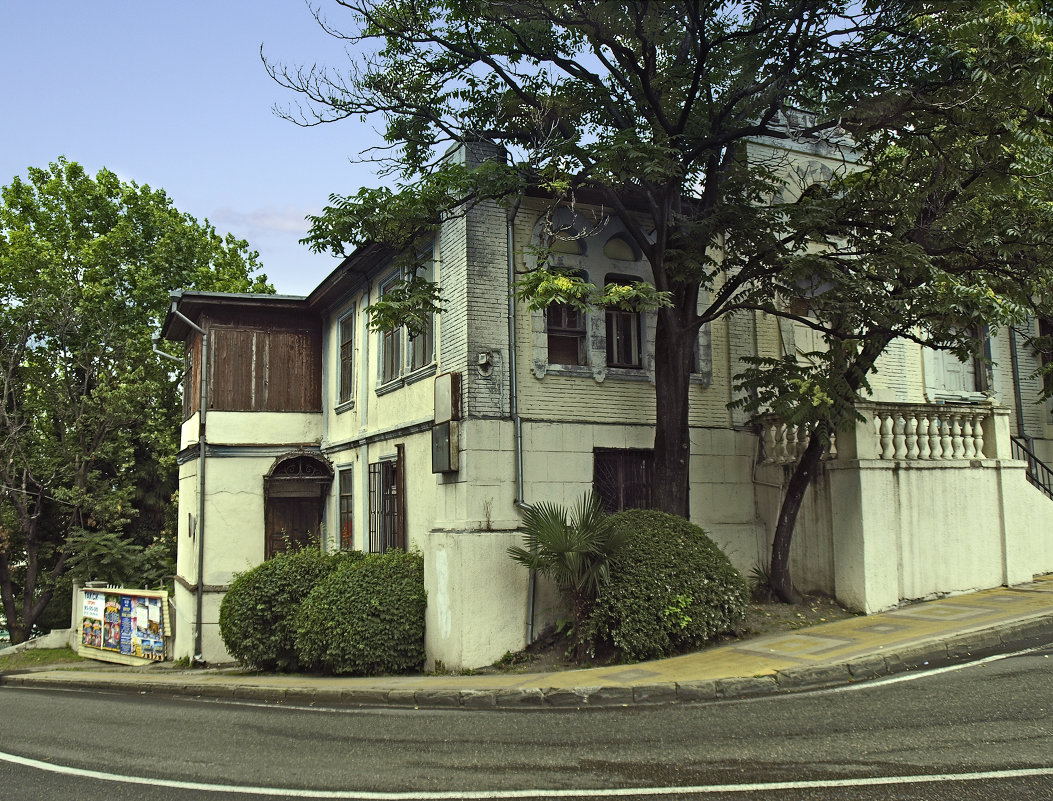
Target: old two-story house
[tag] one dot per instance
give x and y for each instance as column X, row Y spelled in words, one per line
column 301, row 424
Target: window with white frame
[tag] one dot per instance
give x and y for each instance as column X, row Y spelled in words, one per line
column 400, row 350
column 565, row 327
column 390, row 343
column 346, row 333
column 421, row 346
column 624, row 340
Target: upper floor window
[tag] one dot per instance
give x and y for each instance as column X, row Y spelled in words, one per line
column 390, row 343
column 421, row 346
column 346, row 332
column 565, row 326
column 624, row 343
column 403, row 349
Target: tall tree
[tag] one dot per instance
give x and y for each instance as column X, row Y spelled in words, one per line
column 642, row 108
column 653, row 111
column 88, row 415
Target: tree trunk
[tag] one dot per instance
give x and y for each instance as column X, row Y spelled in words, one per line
column 779, row 575
column 674, row 351
column 855, row 372
column 7, row 595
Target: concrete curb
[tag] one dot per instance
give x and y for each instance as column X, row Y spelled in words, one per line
column 954, row 649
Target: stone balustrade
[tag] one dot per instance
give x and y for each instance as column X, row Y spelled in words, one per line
column 784, row 442
column 942, row 432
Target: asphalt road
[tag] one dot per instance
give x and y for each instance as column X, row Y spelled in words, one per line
column 979, row 732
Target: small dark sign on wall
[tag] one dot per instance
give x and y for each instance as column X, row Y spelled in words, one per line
column 444, row 447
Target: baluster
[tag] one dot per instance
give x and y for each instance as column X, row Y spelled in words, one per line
column 831, row 452
column 780, row 444
column 804, row 438
column 945, row 438
column 912, row 436
column 789, row 443
column 967, row 437
column 769, row 443
column 978, row 435
column 899, row 438
column 956, row 437
column 887, row 451
column 924, row 451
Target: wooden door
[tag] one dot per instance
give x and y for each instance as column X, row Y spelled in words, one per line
column 292, row 522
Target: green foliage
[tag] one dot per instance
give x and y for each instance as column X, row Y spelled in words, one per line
column 89, row 416
column 116, row 559
column 408, row 301
column 257, row 618
column 367, row 617
column 671, row 589
column 542, row 287
column 932, row 214
column 574, row 550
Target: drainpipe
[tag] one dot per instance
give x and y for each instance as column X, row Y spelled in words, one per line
column 201, row 445
column 323, row 533
column 363, row 406
column 513, row 408
column 1018, row 400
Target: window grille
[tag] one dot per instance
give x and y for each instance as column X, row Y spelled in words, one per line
column 386, row 523
column 623, row 478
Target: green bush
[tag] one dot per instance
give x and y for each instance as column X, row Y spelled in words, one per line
column 367, row 617
column 671, row 589
column 257, row 618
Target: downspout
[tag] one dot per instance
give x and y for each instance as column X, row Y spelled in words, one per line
column 513, row 409
column 323, row 533
column 363, row 403
column 202, row 448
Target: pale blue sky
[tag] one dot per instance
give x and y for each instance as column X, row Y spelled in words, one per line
column 173, row 94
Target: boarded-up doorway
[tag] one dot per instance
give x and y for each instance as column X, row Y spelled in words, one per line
column 294, row 498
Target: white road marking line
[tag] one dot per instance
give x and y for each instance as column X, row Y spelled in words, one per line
column 482, row 795
column 926, row 672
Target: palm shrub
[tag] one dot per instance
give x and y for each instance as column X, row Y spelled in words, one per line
column 257, row 617
column 574, row 551
column 671, row 589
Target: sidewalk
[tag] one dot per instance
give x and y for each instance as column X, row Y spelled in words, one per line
column 914, row 637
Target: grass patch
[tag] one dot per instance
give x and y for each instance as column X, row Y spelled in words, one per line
column 39, row 657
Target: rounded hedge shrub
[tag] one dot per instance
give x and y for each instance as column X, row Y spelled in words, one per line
column 257, row 618
column 671, row 589
column 367, row 617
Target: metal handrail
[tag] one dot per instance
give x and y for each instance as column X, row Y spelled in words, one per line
column 1038, row 473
